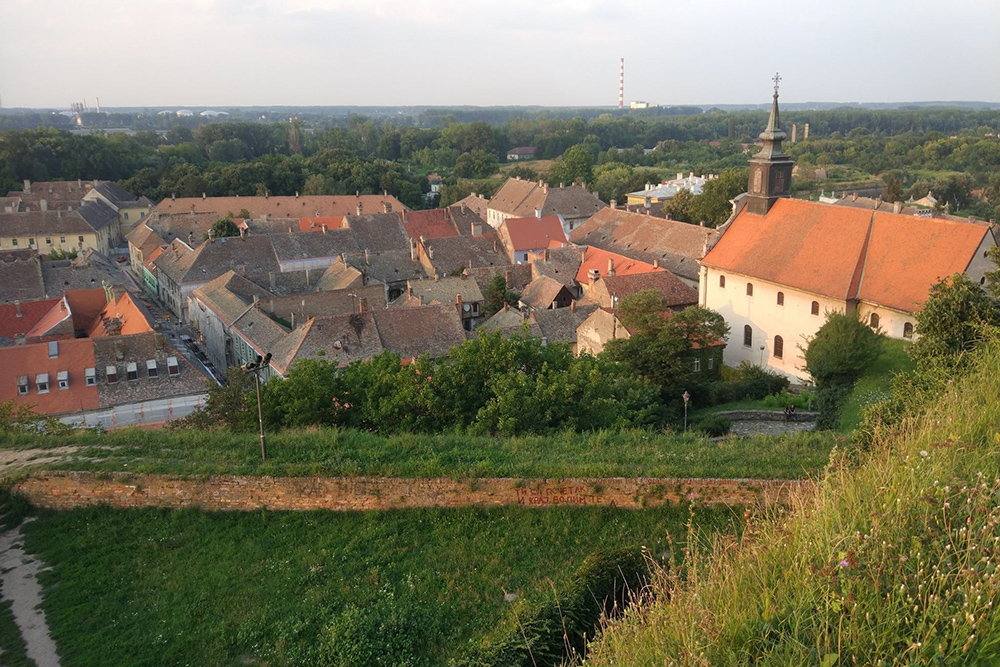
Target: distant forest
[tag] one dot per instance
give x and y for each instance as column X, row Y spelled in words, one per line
column 953, row 152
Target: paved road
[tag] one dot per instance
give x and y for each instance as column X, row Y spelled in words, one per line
column 171, row 327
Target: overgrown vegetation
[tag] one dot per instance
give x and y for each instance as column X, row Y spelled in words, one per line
column 892, row 560
column 415, row 587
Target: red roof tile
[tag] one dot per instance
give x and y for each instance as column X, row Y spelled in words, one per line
column 74, row 356
column 534, row 233
column 596, row 258
column 430, row 224
column 31, row 313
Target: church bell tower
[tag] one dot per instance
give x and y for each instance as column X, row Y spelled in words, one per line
column 770, row 168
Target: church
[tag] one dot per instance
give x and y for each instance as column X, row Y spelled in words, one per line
column 780, row 264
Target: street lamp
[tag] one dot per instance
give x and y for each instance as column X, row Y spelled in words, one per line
column 687, row 398
column 762, row 356
column 255, row 367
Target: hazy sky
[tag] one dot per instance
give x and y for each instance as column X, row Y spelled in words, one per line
column 451, row 52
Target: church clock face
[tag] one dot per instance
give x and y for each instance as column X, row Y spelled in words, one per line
column 758, row 177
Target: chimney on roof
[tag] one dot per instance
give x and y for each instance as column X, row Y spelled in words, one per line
column 545, row 254
column 43, row 204
column 494, row 245
column 594, row 275
column 79, row 183
column 173, row 196
column 270, row 279
column 27, row 186
column 387, row 207
column 362, row 304
column 436, row 277
column 368, row 257
column 191, row 237
column 463, row 207
column 243, row 232
column 296, row 194
column 211, row 236
column 507, row 278
column 897, row 206
column 413, row 250
column 421, row 297
column 538, row 213
column 611, row 267
column 17, row 304
column 361, row 207
column 572, row 305
column 656, row 263
column 292, row 319
column 541, row 183
column 614, row 204
column 266, row 194
column 458, row 304
column 204, row 196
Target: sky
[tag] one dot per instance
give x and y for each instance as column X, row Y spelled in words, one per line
column 474, row 52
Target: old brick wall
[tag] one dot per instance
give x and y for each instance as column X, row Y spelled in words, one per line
column 224, row 492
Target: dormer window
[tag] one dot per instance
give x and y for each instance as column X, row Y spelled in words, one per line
column 90, row 377
column 132, row 371
column 62, row 379
column 111, row 372
column 22, row 385
column 173, row 368
column 151, row 369
column 42, row 383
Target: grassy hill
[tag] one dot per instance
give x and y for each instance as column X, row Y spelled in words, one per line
column 889, row 562
column 415, row 587
column 335, row 452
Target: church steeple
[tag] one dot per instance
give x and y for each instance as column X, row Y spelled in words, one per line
column 770, row 168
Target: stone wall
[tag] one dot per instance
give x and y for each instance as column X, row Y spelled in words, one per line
column 225, row 492
column 768, row 415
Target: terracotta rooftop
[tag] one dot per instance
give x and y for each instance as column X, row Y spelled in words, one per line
column 306, row 206
column 676, row 293
column 411, row 332
column 21, row 318
column 477, row 203
column 846, row 253
column 456, row 253
column 34, row 362
column 595, row 258
column 431, row 224
column 338, row 339
column 541, row 292
column 122, row 316
column 443, row 290
column 533, row 233
column 676, row 245
column 139, row 349
column 520, row 198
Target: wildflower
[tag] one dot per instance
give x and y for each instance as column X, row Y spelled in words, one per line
column 923, row 453
column 843, row 563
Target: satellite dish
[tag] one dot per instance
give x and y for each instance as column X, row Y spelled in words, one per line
column 466, row 307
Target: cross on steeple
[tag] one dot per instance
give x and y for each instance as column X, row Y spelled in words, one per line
column 776, row 78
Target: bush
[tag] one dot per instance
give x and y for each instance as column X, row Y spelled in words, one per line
column 552, row 633
column 801, row 401
column 384, row 633
column 830, row 400
column 714, row 425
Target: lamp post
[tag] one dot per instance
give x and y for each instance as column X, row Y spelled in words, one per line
column 687, row 398
column 762, row 356
column 255, row 367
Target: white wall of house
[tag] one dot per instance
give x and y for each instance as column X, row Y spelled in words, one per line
column 794, row 321
column 214, row 333
column 980, row 263
column 148, row 412
column 891, row 322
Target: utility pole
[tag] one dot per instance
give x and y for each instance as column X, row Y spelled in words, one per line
column 255, row 367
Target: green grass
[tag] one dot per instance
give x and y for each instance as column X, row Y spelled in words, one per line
column 351, row 453
column 160, row 587
column 891, row 560
column 12, row 649
column 876, row 383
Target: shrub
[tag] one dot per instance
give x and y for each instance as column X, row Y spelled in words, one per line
column 714, row 425
column 801, row 401
column 384, row 633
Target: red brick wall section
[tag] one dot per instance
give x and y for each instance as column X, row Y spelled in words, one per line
column 225, row 492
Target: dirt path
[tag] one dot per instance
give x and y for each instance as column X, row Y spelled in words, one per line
column 19, row 584
column 14, row 459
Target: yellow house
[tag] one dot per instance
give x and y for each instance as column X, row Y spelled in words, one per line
column 94, row 225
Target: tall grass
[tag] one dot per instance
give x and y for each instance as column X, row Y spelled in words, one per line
column 339, row 452
column 889, row 562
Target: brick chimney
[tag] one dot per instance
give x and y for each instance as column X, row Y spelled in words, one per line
column 897, row 206
column 387, row 207
column 507, row 278
column 362, row 305
column 27, row 186
column 611, row 267
column 614, row 204
column 368, row 257
column 545, row 254
column 361, row 208
column 656, row 263
column 572, row 306
column 538, row 213
column 458, row 304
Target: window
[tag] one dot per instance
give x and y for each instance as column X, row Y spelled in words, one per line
column 111, row 373
column 815, row 307
column 42, row 383
column 907, row 330
column 722, row 281
column 13, row 242
column 62, row 379
column 526, row 257
column 151, row 369
column 22, row 385
column 132, row 371
column 31, row 241
column 711, row 363
column 781, row 298
column 90, row 377
column 697, row 365
column 80, row 239
column 749, row 289
column 53, row 349
column 172, row 367
column 48, row 240
column 62, row 239
column 747, row 336
column 874, row 320
column 779, row 347
column 126, row 216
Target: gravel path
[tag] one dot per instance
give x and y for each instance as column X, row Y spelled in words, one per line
column 19, row 584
